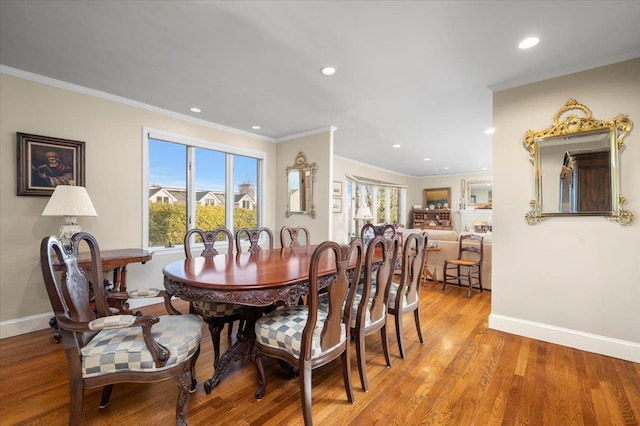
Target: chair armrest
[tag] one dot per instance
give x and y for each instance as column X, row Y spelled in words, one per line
column 111, row 322
column 143, row 293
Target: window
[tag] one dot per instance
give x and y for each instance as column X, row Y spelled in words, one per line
column 385, row 200
column 196, row 183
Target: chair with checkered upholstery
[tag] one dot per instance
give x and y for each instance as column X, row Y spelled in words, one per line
column 289, row 236
column 307, row 337
column 253, row 235
column 215, row 314
column 102, row 348
column 371, row 316
column 404, row 296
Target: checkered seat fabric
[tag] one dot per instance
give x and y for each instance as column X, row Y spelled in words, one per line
column 215, row 309
column 282, row 329
column 323, row 305
column 123, row 349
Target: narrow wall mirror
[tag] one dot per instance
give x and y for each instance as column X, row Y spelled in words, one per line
column 576, row 166
column 300, row 177
column 480, row 194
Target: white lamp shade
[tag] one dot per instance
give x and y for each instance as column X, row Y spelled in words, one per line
column 364, row 212
column 68, row 200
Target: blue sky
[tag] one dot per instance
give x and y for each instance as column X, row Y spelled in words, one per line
column 167, row 167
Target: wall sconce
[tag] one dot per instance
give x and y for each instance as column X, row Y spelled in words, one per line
column 70, row 202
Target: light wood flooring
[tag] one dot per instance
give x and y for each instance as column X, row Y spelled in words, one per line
column 463, row 374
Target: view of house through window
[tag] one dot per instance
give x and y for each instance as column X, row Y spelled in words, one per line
column 196, row 187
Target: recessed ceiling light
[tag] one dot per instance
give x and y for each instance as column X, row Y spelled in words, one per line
column 396, row 146
column 446, row 168
column 255, row 127
column 427, row 159
column 490, row 131
column 485, row 168
column 194, row 109
column 328, row 70
column 528, row 42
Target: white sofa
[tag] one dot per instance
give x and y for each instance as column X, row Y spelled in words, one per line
column 448, row 243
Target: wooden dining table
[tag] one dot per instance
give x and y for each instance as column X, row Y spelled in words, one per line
column 252, row 280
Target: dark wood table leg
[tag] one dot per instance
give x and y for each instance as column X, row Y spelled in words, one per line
column 241, row 349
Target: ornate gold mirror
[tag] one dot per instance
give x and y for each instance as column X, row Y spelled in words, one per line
column 577, row 166
column 300, row 179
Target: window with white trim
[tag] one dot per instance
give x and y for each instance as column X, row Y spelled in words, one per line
column 194, row 183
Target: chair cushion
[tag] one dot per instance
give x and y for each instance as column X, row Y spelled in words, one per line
column 393, row 291
column 282, row 329
column 216, row 310
column 323, row 304
column 123, row 349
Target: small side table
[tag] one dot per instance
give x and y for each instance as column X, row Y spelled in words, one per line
column 112, row 260
column 426, row 273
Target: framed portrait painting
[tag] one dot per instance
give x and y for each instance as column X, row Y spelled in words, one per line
column 45, row 162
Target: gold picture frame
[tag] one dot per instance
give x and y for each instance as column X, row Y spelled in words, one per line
column 45, row 162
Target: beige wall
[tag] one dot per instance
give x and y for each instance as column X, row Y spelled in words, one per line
column 572, row 281
column 317, row 147
column 113, row 135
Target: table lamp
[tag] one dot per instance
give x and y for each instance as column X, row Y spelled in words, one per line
column 364, row 212
column 70, row 202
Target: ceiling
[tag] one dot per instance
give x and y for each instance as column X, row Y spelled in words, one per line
column 417, row 74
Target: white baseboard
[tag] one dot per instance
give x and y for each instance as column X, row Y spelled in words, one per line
column 603, row 345
column 24, row 325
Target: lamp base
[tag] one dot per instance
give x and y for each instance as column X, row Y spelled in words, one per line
column 69, row 228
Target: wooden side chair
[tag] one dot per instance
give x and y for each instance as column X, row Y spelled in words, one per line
column 307, row 337
column 404, row 296
column 371, row 300
column 289, row 236
column 102, row 348
column 470, row 254
column 215, row 314
column 253, row 235
column 369, row 230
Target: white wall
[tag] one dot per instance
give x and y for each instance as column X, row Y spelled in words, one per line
column 113, row 135
column 571, row 281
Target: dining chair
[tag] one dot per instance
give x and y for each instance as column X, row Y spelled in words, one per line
column 470, row 255
column 215, row 314
column 369, row 312
column 103, row 349
column 289, row 236
column 253, row 235
column 369, row 231
column 307, row 337
column 404, row 296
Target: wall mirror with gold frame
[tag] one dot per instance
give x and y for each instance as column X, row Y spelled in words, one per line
column 300, row 177
column 577, row 166
column 480, row 194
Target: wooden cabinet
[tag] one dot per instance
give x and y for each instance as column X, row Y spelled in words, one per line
column 432, row 219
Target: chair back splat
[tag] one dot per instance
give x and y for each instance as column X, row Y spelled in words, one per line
column 307, row 337
column 289, row 236
column 146, row 348
column 253, row 235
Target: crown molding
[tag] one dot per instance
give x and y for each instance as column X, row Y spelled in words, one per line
column 122, row 100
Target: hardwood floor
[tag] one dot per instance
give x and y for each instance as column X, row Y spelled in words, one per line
column 463, row 374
